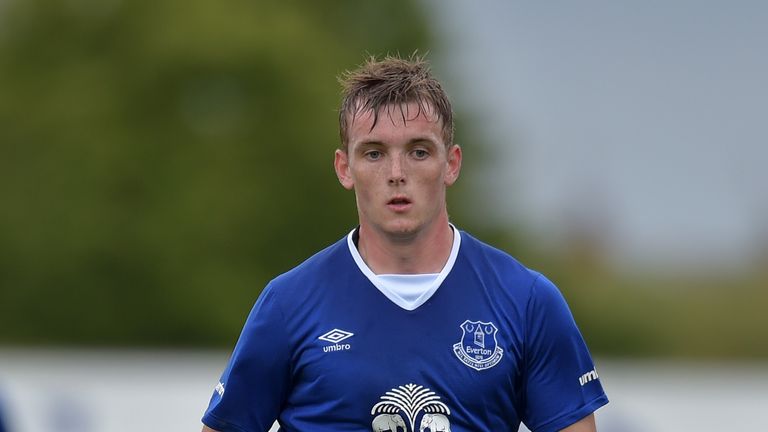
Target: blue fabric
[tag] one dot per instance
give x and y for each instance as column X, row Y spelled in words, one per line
column 495, row 345
column 2, row 422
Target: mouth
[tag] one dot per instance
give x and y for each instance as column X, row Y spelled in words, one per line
column 399, row 203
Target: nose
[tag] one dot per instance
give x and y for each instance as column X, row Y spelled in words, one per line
column 397, row 174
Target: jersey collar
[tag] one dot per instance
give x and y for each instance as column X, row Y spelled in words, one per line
column 394, row 298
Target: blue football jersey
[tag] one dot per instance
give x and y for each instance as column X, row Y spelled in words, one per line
column 324, row 349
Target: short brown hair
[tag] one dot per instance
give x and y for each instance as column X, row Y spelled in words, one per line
column 392, row 81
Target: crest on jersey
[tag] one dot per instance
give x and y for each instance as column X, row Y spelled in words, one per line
column 400, row 407
column 478, row 347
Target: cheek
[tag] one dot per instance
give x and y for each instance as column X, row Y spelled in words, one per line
column 435, row 179
column 368, row 176
column 364, row 184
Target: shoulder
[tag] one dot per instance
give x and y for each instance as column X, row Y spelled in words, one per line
column 516, row 282
column 493, row 261
column 317, row 269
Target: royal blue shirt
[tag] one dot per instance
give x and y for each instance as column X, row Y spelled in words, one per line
column 325, row 350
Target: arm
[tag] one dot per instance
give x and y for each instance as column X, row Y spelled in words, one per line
column 255, row 382
column 587, row 424
column 556, row 359
column 207, row 429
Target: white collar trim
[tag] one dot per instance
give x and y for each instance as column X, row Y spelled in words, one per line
column 394, row 298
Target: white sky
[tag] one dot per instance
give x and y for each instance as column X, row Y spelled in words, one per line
column 648, row 117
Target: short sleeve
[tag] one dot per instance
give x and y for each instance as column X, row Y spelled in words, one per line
column 251, row 391
column 561, row 383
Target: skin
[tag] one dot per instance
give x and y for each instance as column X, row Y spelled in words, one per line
column 587, row 424
column 407, row 161
column 400, row 171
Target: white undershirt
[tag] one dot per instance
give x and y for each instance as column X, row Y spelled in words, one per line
column 408, row 291
column 409, row 287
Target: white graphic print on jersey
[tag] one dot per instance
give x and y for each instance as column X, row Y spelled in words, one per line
column 410, row 401
column 335, row 336
column 478, row 347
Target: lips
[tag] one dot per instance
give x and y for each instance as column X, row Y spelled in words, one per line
column 399, row 203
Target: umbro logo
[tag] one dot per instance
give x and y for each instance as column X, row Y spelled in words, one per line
column 587, row 377
column 335, row 336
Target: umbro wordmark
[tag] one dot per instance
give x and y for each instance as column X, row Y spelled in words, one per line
column 335, row 336
column 587, row 377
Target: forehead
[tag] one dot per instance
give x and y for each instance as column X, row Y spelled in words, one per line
column 396, row 122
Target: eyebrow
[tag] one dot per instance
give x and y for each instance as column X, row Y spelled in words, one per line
column 416, row 140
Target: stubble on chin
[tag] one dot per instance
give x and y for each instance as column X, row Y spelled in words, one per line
column 402, row 231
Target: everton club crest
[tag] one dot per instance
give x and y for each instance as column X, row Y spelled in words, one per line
column 478, row 347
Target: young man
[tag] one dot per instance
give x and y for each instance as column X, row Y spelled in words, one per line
column 406, row 324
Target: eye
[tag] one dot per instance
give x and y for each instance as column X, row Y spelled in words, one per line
column 373, row 155
column 420, row 154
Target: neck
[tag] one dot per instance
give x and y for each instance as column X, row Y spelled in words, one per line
column 426, row 251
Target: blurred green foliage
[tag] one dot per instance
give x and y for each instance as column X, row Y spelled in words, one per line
column 161, row 160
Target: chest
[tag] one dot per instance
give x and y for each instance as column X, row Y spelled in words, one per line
column 458, row 356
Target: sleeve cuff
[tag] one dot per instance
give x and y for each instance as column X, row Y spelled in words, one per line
column 568, row 419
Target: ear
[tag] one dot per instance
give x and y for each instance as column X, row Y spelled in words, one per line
column 454, row 164
column 341, row 165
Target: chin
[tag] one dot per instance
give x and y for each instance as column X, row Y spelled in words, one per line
column 402, row 229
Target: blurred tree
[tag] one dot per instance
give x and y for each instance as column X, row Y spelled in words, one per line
column 161, row 160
